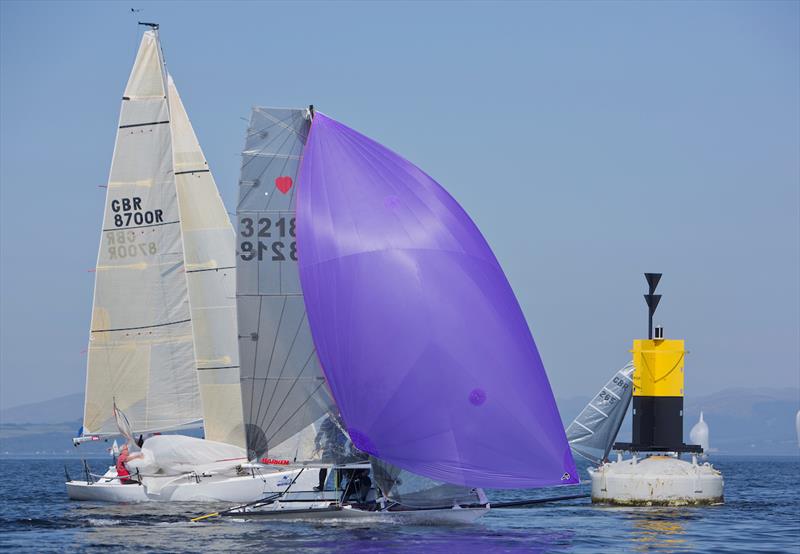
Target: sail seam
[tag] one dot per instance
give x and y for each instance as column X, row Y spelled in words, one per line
column 193, row 171
column 210, row 269
column 599, row 410
column 218, row 367
column 141, row 226
column 143, row 124
column 142, row 327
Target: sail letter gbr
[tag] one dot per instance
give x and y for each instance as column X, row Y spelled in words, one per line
column 128, row 211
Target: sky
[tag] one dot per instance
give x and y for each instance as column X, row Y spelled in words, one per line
column 590, row 142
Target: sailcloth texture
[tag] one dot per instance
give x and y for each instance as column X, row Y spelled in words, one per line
column 289, row 414
column 141, row 349
column 421, row 339
column 209, row 252
column 592, row 434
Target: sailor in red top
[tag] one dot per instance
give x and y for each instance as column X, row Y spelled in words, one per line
column 122, row 471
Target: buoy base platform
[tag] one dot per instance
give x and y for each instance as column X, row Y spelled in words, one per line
column 656, row 481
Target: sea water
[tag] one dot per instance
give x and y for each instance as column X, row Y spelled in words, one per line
column 761, row 513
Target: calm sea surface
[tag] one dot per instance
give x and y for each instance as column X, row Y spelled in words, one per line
column 761, row 514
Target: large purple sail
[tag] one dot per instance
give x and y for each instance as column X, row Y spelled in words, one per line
column 422, row 341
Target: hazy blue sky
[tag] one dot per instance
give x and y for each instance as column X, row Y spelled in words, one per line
column 589, row 141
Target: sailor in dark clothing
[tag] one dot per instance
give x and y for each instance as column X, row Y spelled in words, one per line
column 358, row 483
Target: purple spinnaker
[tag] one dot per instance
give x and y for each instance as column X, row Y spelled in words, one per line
column 422, row 341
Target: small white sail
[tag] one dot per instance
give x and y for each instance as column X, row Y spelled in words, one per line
column 592, row 433
column 141, row 350
column 797, row 426
column 699, row 433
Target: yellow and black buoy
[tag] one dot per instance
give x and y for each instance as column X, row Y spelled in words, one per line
column 655, row 474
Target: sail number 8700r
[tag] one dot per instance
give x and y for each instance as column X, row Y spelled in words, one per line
column 269, row 228
column 129, row 210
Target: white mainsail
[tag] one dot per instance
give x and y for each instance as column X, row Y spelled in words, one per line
column 163, row 345
column 289, row 414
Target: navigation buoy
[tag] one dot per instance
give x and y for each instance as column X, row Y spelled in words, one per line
column 655, row 474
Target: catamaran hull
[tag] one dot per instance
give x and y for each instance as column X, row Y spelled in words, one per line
column 441, row 516
column 215, row 488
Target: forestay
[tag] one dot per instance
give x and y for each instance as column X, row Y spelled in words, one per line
column 423, row 343
column 592, row 433
column 289, row 413
column 140, row 348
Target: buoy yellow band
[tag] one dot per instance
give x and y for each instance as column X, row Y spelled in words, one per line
column 658, row 367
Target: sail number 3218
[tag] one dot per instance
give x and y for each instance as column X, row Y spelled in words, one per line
column 275, row 230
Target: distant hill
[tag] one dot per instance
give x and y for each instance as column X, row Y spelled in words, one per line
column 56, row 410
column 741, row 421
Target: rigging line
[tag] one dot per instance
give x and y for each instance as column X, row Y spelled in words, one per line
column 251, row 132
column 300, row 407
column 210, row 269
column 142, row 327
column 289, row 392
column 294, row 112
column 258, row 178
column 288, row 135
column 141, row 226
column 269, row 163
column 283, row 169
column 218, row 367
column 283, row 367
column 582, row 425
column 269, row 363
column 584, row 456
column 143, row 124
column 599, row 410
column 269, row 142
column 255, row 357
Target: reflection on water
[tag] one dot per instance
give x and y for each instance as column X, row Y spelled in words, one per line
column 659, row 529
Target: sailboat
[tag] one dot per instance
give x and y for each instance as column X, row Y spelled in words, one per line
column 699, row 433
column 369, row 300
column 163, row 353
column 592, row 434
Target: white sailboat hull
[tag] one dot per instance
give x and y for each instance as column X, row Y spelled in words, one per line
column 191, row 488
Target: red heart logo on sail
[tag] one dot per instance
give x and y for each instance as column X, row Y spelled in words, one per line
column 283, row 183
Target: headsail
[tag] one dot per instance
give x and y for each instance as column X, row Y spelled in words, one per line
column 286, row 401
column 592, row 433
column 209, row 250
column 423, row 343
column 140, row 348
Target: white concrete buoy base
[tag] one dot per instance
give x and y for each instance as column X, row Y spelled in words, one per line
column 656, row 481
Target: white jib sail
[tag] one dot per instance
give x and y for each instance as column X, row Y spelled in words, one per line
column 141, row 349
column 209, row 250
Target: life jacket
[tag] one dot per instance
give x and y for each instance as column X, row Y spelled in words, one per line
column 122, row 471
